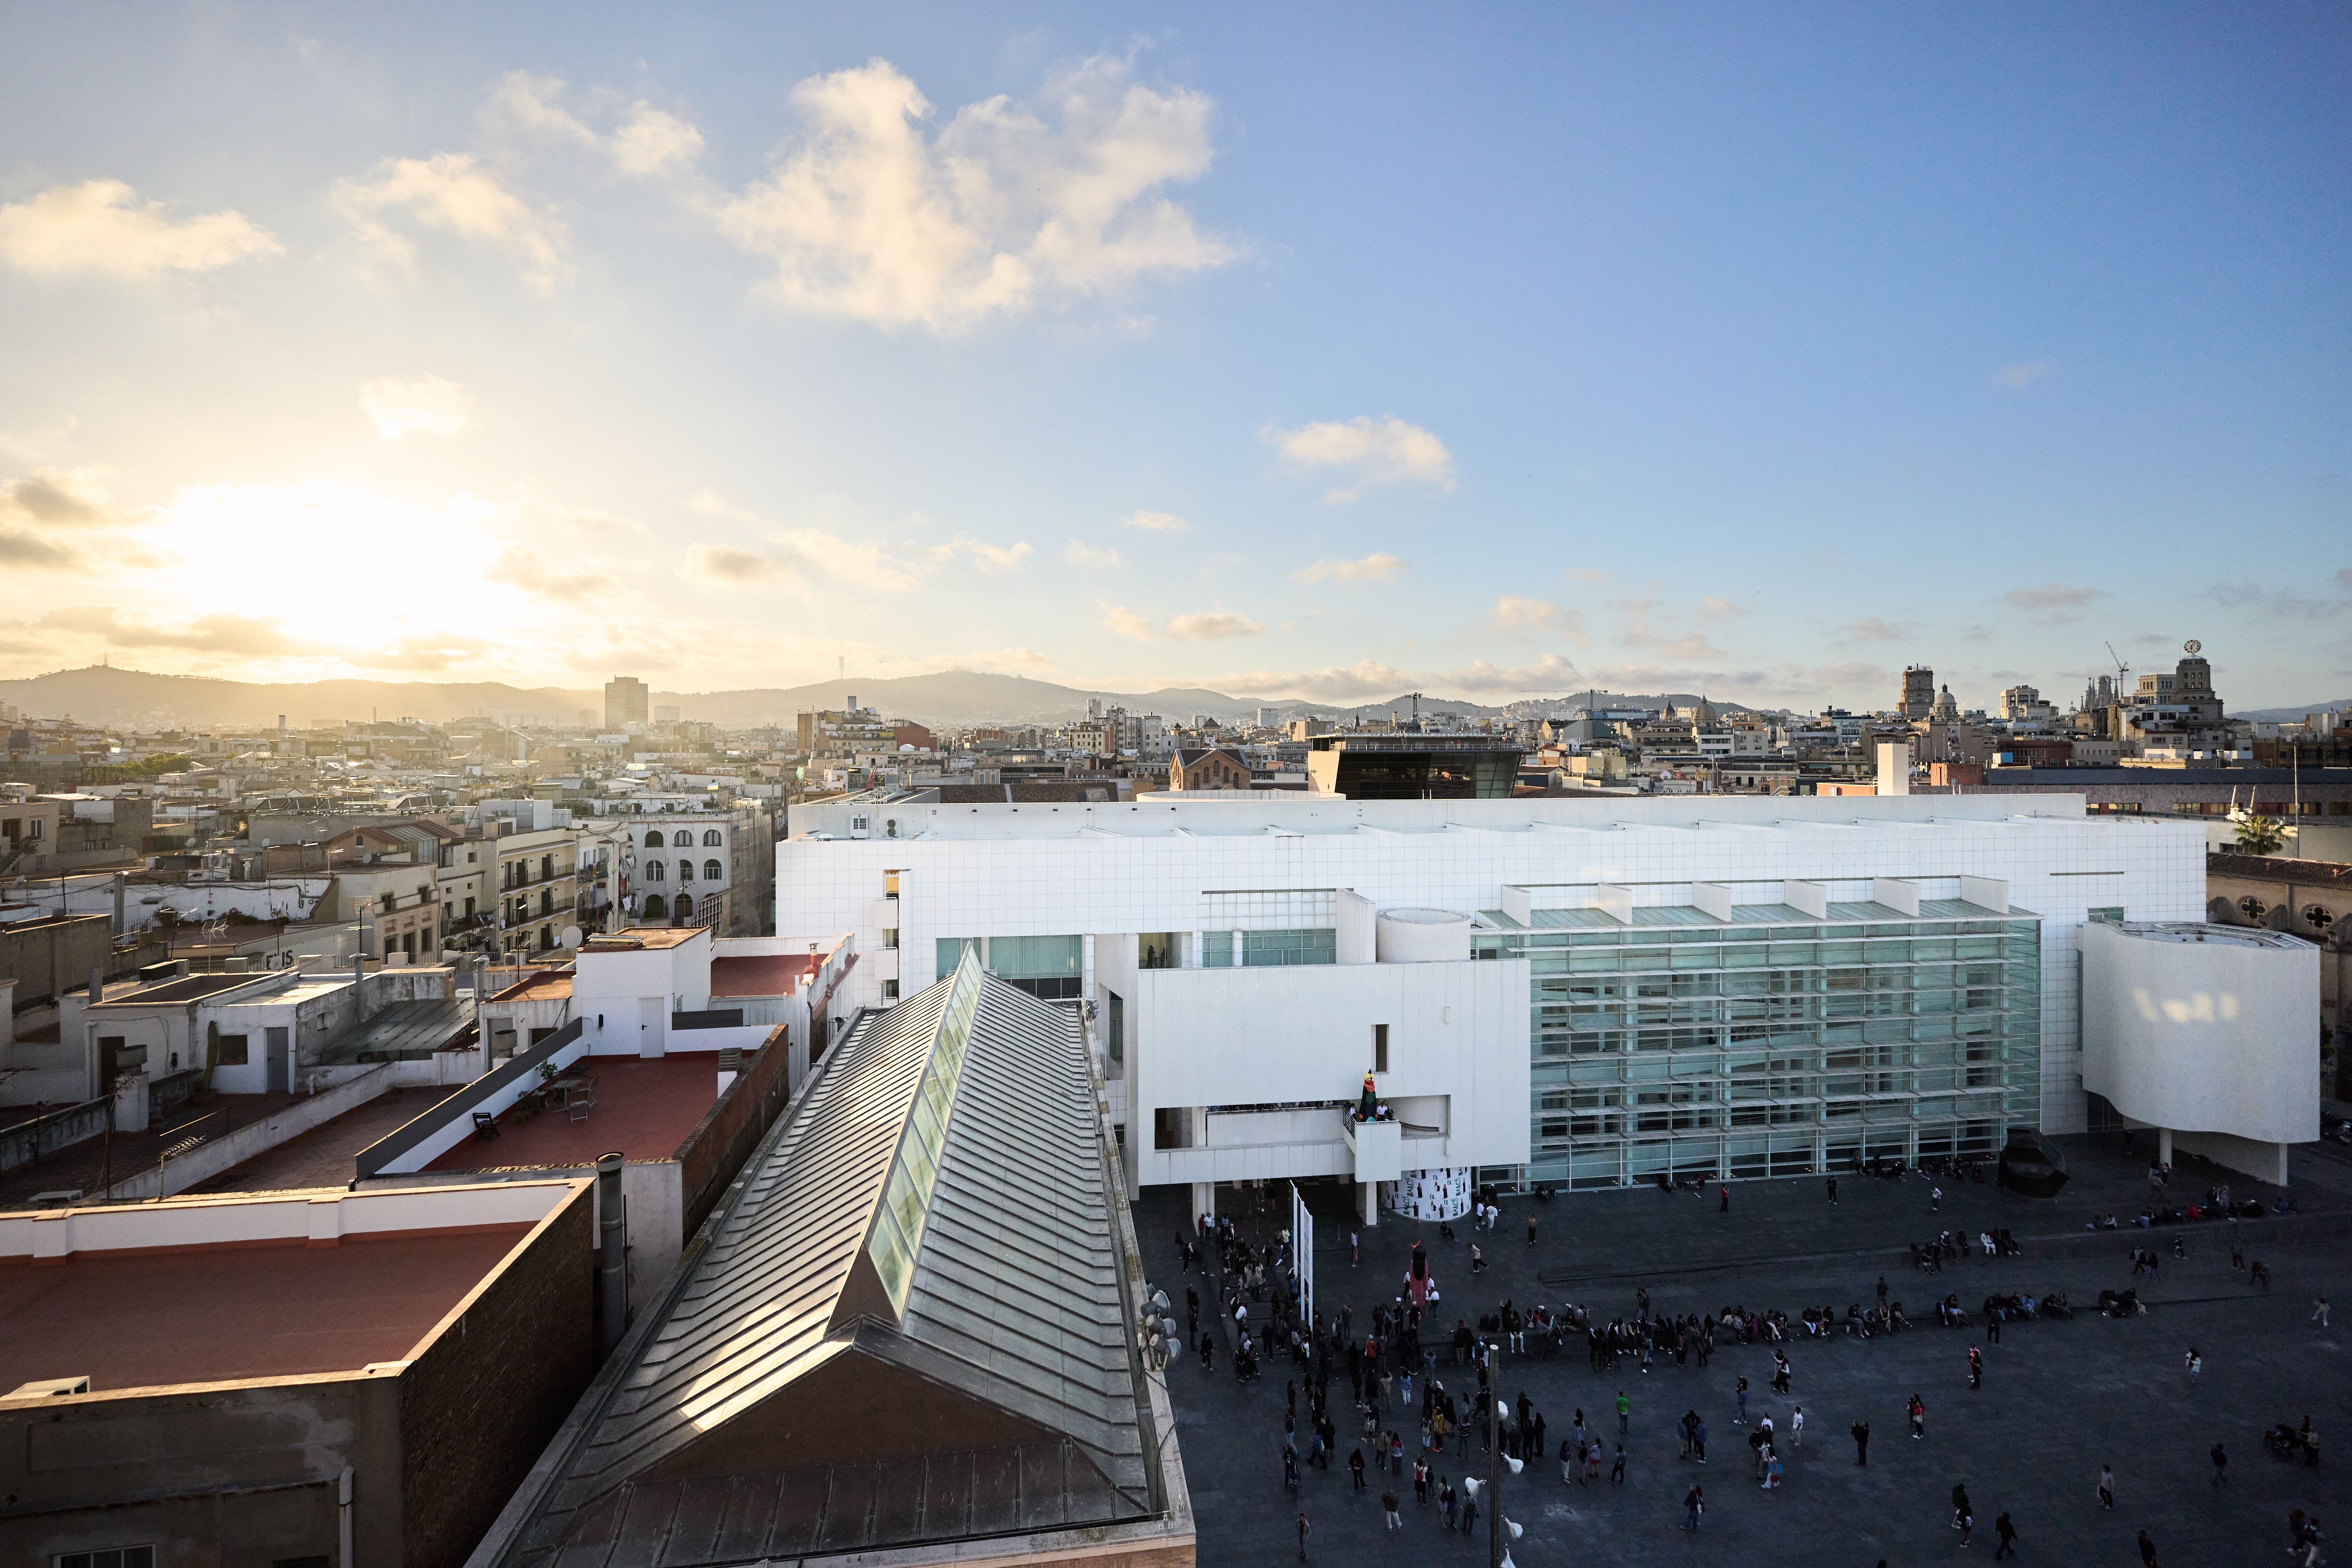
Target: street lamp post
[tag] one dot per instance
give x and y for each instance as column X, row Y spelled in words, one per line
column 1494, row 1453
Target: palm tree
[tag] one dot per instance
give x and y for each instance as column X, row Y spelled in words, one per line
column 2260, row 835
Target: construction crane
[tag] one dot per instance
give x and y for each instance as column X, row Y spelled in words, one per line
column 2122, row 670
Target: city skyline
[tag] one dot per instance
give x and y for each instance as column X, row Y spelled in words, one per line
column 721, row 348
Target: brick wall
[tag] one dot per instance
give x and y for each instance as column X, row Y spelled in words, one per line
column 482, row 1401
column 732, row 1128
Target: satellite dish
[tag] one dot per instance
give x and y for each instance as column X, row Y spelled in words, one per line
column 2191, row 645
column 570, row 937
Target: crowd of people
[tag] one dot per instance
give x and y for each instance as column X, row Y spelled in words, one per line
column 1421, row 1408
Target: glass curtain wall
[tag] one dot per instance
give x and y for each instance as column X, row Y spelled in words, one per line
column 1775, row 1044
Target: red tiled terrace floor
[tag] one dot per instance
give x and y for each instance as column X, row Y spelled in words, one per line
column 226, row 1313
column 645, row 1109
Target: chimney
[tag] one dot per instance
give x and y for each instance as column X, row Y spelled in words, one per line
column 97, row 984
column 612, row 1255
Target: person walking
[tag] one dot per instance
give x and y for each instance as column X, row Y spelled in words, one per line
column 1935, row 1200
column 2319, row 1311
column 2221, row 1466
column 1976, row 1367
column 1698, row 1440
column 2008, row 1533
column 1388, row 1507
column 1625, row 1413
column 1531, row 1229
column 1303, row 1529
column 1694, row 1504
column 1355, row 1250
column 1741, row 1419
column 2146, row 1551
column 1918, row 1412
column 1862, row 1443
column 1617, row 1470
column 1421, row 1483
column 1356, row 1467
column 1832, row 1192
column 1469, row 1510
column 1726, row 1198
column 1797, row 1428
column 2107, row 1489
column 1780, row 1374
column 1963, row 1517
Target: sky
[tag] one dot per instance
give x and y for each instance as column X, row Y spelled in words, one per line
column 1303, row 352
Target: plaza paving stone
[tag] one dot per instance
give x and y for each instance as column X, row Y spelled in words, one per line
column 2058, row 1397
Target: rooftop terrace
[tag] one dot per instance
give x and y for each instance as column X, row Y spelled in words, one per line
column 644, row 1108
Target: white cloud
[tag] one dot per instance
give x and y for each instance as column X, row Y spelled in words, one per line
column 2053, row 603
column 1550, row 673
column 1585, row 574
column 1874, row 629
column 454, row 194
column 1156, row 522
column 654, row 141
column 1711, row 605
column 415, row 405
column 989, row 557
column 1338, row 683
column 1384, row 451
column 1640, row 633
column 1377, row 567
column 650, row 140
column 725, row 563
column 101, row 226
column 516, row 567
column 39, row 512
column 1094, row 558
column 1518, row 612
column 1212, row 626
column 998, row 213
column 1125, row 622
column 2024, row 373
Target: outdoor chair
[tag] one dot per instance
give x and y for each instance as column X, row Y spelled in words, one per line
column 582, row 1102
column 486, row 1126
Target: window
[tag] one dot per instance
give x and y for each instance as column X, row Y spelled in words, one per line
column 654, row 841
column 685, row 871
column 654, row 871
column 232, row 1045
column 546, row 868
column 682, row 839
column 2108, row 914
column 710, row 838
column 112, row 1557
column 1275, row 950
column 546, row 901
column 949, row 952
column 891, row 937
column 2318, row 916
column 889, row 990
column 655, row 908
column 1380, row 1048
column 683, row 909
column 712, row 871
column 2251, row 908
column 1216, row 949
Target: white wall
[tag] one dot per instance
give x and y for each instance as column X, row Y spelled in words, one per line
column 1221, row 1037
column 1150, row 865
column 2219, row 1034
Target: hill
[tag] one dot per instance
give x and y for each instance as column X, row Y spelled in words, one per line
column 138, row 699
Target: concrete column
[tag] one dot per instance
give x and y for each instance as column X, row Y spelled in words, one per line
column 1204, row 1199
column 1368, row 1202
column 2163, row 1146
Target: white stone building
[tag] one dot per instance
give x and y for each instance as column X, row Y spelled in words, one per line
column 1599, row 992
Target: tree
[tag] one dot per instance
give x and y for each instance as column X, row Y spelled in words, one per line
column 2260, row 835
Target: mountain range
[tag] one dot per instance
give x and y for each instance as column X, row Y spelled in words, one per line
column 123, row 698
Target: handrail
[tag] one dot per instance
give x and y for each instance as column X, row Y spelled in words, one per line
column 26, row 1141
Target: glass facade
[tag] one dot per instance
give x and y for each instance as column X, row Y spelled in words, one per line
column 1270, row 949
column 1048, row 968
column 1773, row 1044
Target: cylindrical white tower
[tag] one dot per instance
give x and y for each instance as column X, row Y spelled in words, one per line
column 1422, row 937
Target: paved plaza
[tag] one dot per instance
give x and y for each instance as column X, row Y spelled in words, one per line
column 2059, row 1397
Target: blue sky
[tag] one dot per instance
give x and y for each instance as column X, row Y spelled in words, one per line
column 1316, row 352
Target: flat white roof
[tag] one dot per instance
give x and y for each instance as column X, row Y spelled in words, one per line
column 2198, row 931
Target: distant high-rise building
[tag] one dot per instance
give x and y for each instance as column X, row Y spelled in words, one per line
column 628, row 701
column 665, row 713
column 1918, row 692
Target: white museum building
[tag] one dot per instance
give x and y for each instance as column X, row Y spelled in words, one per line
column 1578, row 993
